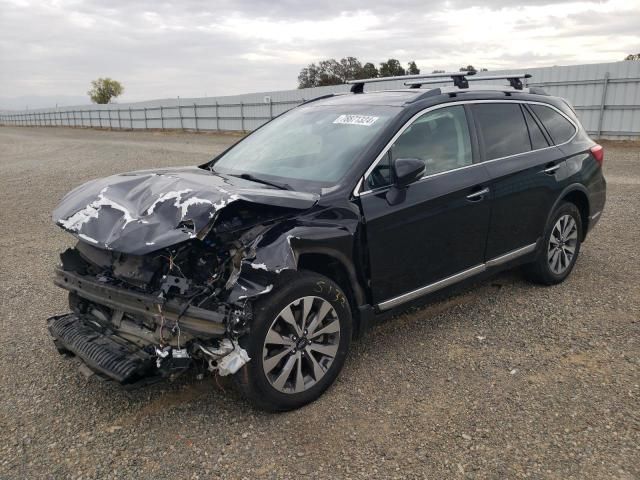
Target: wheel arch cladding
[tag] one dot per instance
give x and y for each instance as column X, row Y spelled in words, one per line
column 333, row 268
column 580, row 200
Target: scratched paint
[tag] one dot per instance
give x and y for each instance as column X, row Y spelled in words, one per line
column 140, row 212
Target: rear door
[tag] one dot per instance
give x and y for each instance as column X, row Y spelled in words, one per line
column 525, row 172
column 438, row 227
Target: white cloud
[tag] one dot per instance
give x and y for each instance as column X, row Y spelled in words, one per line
column 193, row 47
column 496, row 38
column 82, row 20
column 346, row 26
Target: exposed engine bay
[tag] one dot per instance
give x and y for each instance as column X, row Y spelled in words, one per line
column 156, row 315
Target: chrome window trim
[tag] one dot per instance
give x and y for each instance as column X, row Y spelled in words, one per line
column 358, row 185
column 458, row 277
column 362, row 181
column 381, row 189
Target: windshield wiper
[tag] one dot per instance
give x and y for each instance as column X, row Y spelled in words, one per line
column 248, row 176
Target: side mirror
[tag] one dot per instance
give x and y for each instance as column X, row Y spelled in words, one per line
column 407, row 171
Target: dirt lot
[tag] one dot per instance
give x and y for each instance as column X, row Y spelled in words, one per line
column 502, row 380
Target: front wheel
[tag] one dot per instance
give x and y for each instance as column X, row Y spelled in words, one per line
column 299, row 339
column 560, row 247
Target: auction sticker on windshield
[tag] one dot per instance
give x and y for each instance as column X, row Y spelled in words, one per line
column 364, row 120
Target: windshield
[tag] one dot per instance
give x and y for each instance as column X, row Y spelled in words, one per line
column 307, row 148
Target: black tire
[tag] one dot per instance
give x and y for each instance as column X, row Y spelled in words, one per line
column 541, row 270
column 252, row 380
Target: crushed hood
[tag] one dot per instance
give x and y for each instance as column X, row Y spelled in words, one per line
column 143, row 211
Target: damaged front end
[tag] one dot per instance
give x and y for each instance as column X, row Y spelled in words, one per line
column 135, row 317
column 141, row 313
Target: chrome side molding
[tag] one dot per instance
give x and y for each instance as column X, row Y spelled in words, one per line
column 458, row 277
column 513, row 254
column 445, row 282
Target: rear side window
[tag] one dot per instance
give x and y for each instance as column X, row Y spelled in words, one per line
column 503, row 129
column 538, row 139
column 560, row 129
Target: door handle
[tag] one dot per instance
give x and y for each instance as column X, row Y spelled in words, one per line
column 551, row 169
column 475, row 196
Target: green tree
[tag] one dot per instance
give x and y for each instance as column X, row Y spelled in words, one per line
column 309, row 76
column 351, row 69
column 391, row 68
column 330, row 72
column 369, row 70
column 468, row 68
column 633, row 56
column 334, row 72
column 103, row 90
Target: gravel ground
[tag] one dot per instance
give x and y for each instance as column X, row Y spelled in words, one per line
column 502, row 380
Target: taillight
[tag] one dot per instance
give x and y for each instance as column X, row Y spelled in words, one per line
column 598, row 153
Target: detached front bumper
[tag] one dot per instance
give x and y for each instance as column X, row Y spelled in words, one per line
column 104, row 353
column 140, row 338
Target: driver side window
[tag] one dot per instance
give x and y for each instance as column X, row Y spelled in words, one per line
column 440, row 138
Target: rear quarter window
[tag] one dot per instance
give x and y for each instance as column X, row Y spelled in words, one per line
column 560, row 129
column 538, row 140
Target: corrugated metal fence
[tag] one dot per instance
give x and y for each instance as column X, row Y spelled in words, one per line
column 606, row 97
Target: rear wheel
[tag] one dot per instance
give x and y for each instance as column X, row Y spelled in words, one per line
column 298, row 343
column 560, row 247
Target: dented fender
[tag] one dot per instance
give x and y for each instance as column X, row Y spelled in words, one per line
column 321, row 230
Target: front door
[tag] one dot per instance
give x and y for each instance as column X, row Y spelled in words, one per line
column 437, row 227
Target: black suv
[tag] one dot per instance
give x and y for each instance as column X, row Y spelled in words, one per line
column 265, row 262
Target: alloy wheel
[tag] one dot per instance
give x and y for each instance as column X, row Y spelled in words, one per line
column 301, row 344
column 562, row 244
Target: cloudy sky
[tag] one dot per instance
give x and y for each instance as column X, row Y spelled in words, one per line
column 190, row 48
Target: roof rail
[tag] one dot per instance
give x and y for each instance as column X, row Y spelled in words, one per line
column 514, row 80
column 459, row 79
column 321, row 97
